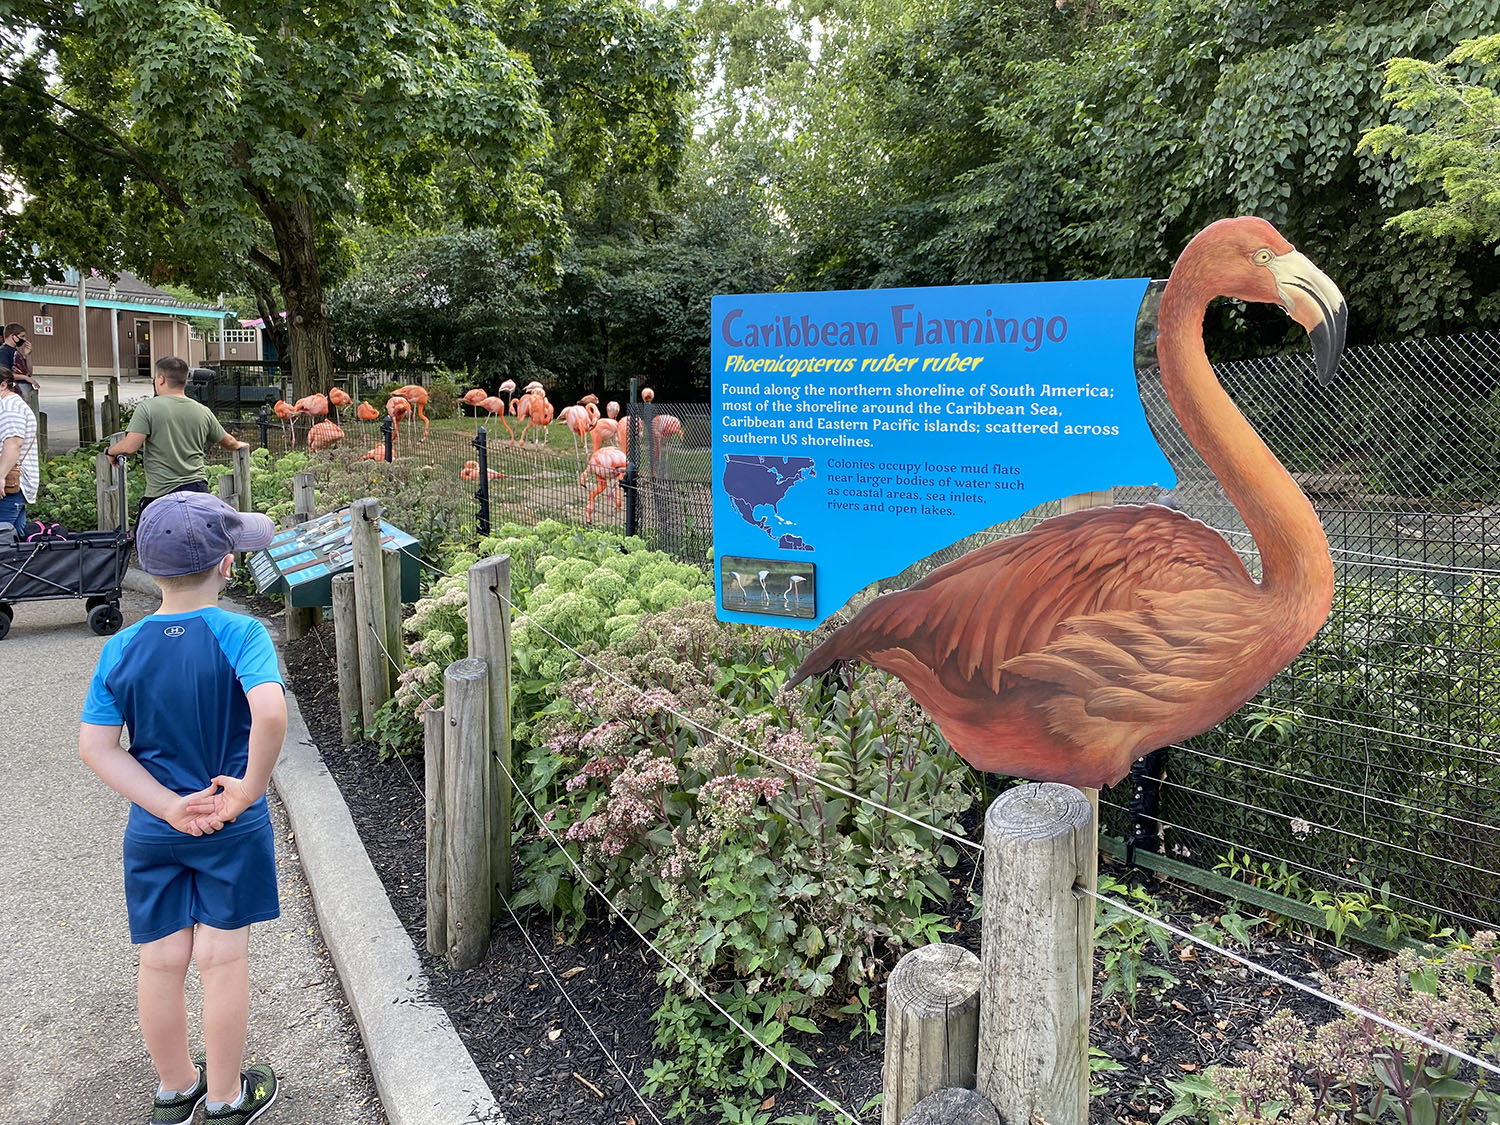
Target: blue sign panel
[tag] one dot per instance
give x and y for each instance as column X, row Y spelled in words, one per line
column 857, row 432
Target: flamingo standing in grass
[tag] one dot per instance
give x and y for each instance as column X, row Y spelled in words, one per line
column 608, row 466
column 283, row 410
column 538, row 413
column 519, row 408
column 605, row 430
column 1066, row 653
column 612, row 410
column 366, row 412
column 337, row 397
column 416, row 394
column 398, row 408
column 577, row 420
column 496, row 410
column 314, row 405
column 475, row 399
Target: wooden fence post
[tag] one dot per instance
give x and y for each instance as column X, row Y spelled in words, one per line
column 106, row 489
column 489, row 639
column 931, row 1027
column 369, row 608
column 1037, row 946
column 953, row 1107
column 434, row 726
column 390, row 574
column 466, row 860
column 301, row 619
column 346, row 650
column 41, row 436
column 226, row 489
column 242, row 479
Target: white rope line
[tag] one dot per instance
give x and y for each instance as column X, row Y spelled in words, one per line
column 1315, row 825
column 710, row 732
column 588, row 1026
column 1303, row 779
column 1353, row 1009
column 1344, row 879
column 678, row 969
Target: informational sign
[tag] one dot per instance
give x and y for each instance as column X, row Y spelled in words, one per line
column 857, row 432
column 300, row 562
column 41, row 325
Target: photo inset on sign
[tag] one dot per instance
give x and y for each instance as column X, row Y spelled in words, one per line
column 770, row 586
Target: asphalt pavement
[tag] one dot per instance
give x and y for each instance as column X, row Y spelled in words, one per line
column 70, row 1047
column 58, row 399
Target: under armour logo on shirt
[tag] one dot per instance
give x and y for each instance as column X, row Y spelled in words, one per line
column 174, row 631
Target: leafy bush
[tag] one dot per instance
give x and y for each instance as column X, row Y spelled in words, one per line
column 745, row 871
column 270, row 479
column 1351, row 1068
column 68, row 492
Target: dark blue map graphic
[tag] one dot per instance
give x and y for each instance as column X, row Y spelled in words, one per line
column 756, row 483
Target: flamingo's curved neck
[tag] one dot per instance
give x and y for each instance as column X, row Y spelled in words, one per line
column 1286, row 529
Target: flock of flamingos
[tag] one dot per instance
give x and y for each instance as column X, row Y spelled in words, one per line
column 610, row 440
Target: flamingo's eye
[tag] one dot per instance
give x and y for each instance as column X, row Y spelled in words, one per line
column 1263, row 257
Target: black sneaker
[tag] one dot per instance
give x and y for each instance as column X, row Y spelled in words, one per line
column 179, row 1108
column 259, row 1087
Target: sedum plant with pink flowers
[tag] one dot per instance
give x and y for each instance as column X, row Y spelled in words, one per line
column 690, row 789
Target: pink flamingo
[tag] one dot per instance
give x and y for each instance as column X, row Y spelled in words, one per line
column 398, row 408
column 608, row 466
column 324, row 435
column 604, row 430
column 613, row 409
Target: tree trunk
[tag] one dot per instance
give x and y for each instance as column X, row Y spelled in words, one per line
column 310, row 362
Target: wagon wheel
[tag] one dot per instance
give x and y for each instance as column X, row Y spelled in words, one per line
column 94, row 603
column 105, row 619
column 6, row 613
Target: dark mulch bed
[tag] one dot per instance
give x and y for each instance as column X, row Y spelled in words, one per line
column 544, row 1066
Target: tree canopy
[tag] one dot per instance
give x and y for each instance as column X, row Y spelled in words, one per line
column 225, row 144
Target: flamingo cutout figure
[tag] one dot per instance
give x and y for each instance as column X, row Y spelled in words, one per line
column 1066, row 653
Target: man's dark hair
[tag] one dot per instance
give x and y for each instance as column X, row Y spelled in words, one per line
column 174, row 371
column 14, row 329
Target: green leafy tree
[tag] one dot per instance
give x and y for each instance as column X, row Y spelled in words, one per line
column 229, row 145
column 1459, row 147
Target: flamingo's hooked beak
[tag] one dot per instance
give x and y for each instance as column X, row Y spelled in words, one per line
column 1315, row 303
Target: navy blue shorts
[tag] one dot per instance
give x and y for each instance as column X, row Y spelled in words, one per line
column 225, row 880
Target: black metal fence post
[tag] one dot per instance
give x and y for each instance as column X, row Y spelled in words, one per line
column 482, row 494
column 386, row 429
column 1145, row 804
column 264, row 420
column 632, row 452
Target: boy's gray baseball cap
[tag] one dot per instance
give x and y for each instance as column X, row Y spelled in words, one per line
column 188, row 532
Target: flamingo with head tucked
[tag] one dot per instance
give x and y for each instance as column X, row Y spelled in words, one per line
column 366, row 412
column 1096, row 637
column 475, row 398
column 283, row 410
column 324, row 435
column 378, row 453
column 337, row 397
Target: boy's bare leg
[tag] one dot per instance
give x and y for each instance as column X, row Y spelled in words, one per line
column 223, row 958
column 162, row 1005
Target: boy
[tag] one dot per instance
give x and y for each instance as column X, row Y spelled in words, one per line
column 201, row 693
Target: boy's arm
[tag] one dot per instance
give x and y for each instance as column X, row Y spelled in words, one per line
column 100, row 749
column 267, row 732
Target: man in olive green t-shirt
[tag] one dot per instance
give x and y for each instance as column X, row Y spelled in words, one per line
column 172, row 431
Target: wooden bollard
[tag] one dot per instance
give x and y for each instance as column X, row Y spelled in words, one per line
column 346, row 649
column 242, row 479
column 369, row 608
column 434, row 727
column 226, row 489
column 466, row 857
column 41, row 436
column 931, row 1027
column 489, row 639
column 1037, row 946
column 953, row 1107
column 395, row 646
column 301, row 619
column 106, row 488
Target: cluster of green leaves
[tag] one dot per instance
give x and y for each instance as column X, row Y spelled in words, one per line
column 681, row 782
column 68, row 494
column 1351, row 1068
column 270, row 479
column 576, row 587
column 1123, row 944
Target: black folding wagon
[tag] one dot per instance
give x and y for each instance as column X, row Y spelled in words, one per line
column 88, row 565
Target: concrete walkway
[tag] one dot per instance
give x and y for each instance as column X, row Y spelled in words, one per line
column 70, row 1049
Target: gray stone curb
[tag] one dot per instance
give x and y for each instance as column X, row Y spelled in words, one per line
column 422, row 1070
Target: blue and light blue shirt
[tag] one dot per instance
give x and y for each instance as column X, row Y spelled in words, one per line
column 177, row 681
